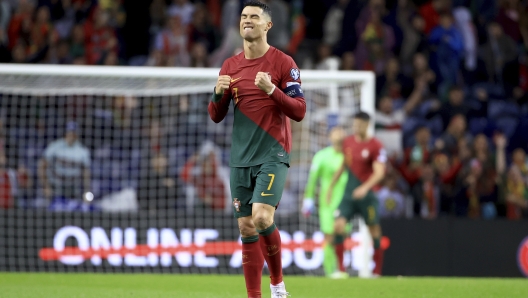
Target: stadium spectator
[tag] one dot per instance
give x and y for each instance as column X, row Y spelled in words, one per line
column 375, row 43
column 5, row 54
column 455, row 133
column 348, row 61
column 392, row 82
column 60, row 53
column 230, row 15
column 431, row 12
column 20, row 23
column 8, row 184
column 508, row 18
column 279, row 36
column 333, row 23
column 172, row 42
column 457, row 105
column 64, row 171
column 157, row 189
column 100, row 37
column 421, row 69
column 464, row 24
column 427, row 193
column 183, row 9
column 325, row 59
column 516, row 184
column 205, row 173
column 389, row 120
column 5, row 15
column 199, row 55
column 497, row 52
column 413, row 29
column 481, row 178
column 392, row 201
column 158, row 15
column 448, row 45
column 64, row 18
column 201, row 30
column 415, row 157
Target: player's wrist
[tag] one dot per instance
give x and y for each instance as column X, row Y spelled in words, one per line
column 272, row 90
column 217, row 97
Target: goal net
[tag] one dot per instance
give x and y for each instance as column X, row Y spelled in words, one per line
column 120, row 169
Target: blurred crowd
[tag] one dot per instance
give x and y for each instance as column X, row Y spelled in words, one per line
column 451, row 86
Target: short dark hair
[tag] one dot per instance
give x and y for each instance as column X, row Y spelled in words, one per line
column 265, row 8
column 362, row 116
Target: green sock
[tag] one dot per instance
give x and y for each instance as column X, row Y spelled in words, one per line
column 329, row 259
column 339, row 239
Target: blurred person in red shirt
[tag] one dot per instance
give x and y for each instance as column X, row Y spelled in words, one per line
column 415, row 157
column 431, row 11
column 100, row 37
column 21, row 22
column 173, row 43
column 8, row 184
column 205, row 173
column 13, row 183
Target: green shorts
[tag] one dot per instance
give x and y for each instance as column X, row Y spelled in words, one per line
column 366, row 207
column 258, row 184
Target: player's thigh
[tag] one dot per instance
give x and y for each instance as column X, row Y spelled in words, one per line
column 269, row 183
column 242, row 184
column 326, row 221
column 348, row 207
column 369, row 208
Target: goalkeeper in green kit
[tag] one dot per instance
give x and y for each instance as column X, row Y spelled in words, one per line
column 324, row 165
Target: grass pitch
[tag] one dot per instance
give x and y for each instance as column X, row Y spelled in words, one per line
column 44, row 285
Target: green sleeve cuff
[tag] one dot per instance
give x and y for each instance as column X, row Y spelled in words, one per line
column 216, row 97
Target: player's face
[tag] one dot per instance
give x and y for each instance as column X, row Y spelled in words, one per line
column 337, row 134
column 254, row 24
column 360, row 127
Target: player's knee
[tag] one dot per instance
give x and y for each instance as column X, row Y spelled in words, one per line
column 375, row 231
column 262, row 221
column 247, row 230
column 339, row 226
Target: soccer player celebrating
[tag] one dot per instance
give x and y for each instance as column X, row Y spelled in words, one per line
column 325, row 164
column 364, row 161
column 265, row 88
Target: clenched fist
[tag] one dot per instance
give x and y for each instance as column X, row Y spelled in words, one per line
column 263, row 82
column 222, row 84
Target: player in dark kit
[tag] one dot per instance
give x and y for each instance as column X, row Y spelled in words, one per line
column 364, row 161
column 263, row 84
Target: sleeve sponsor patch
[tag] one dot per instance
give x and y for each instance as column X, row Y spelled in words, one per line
column 382, row 157
column 295, row 74
column 294, row 91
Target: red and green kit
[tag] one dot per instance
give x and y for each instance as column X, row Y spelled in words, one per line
column 261, row 139
column 359, row 160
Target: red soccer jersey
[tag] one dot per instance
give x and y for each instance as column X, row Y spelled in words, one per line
column 261, row 129
column 360, row 156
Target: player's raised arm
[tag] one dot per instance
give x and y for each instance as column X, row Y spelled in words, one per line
column 289, row 95
column 219, row 104
column 337, row 175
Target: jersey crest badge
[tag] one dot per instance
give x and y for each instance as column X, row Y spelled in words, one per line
column 295, row 74
column 236, row 204
column 364, row 153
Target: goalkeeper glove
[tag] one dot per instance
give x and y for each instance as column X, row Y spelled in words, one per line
column 308, row 207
